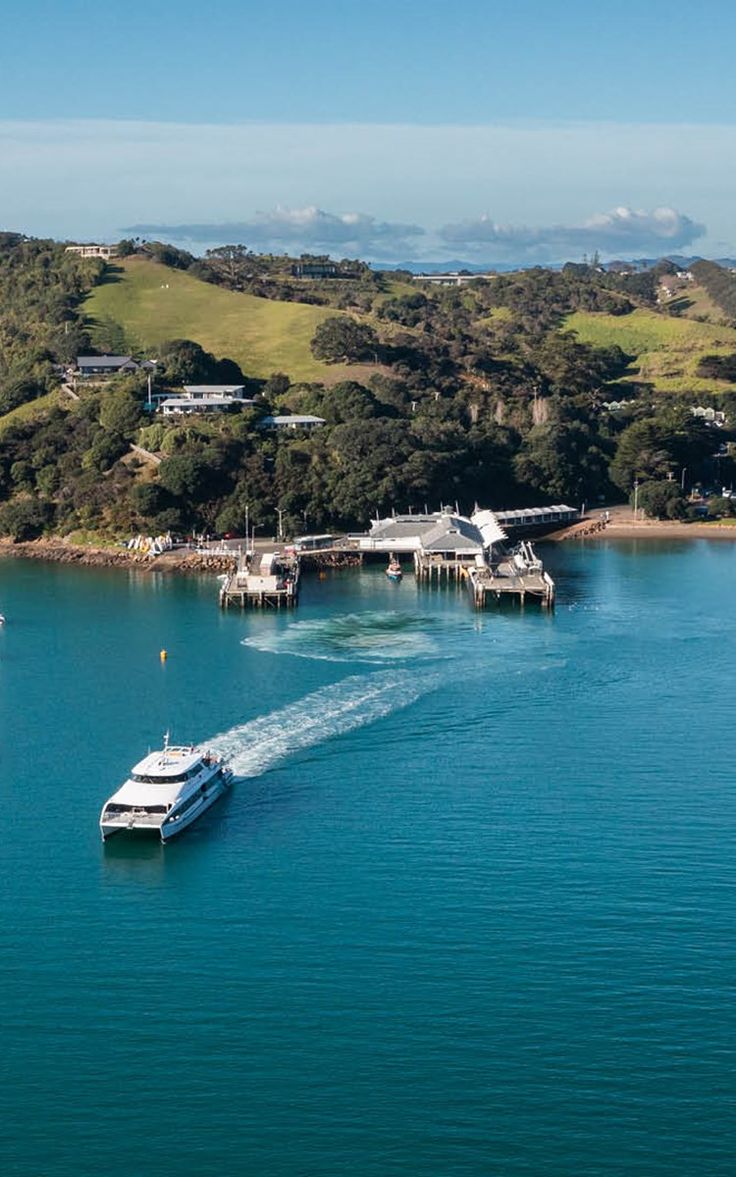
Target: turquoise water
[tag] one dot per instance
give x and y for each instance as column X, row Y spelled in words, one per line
column 469, row 908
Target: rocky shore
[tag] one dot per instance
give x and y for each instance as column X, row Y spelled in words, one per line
column 59, row 551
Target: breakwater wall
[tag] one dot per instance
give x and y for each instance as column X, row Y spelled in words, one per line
column 59, row 552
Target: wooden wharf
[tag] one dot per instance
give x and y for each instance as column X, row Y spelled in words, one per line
column 487, row 584
column 273, row 585
column 431, row 568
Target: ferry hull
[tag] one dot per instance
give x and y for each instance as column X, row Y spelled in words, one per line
column 172, row 829
column 163, row 829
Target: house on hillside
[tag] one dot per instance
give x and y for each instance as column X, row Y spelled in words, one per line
column 452, row 278
column 204, row 398
column 709, row 415
column 203, row 391
column 102, row 251
column 315, row 270
column 292, row 421
column 99, row 366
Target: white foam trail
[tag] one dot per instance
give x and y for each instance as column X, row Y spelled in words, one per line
column 371, row 636
column 254, row 747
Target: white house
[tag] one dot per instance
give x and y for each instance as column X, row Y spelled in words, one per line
column 203, row 391
column 292, row 421
column 174, row 406
column 203, row 398
column 103, row 251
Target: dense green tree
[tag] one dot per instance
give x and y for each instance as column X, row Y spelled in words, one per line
column 150, row 498
column 661, row 500
column 717, row 368
column 24, row 519
column 564, row 461
column 182, row 361
column 185, row 476
column 347, row 401
column 121, row 412
column 721, row 507
column 344, row 340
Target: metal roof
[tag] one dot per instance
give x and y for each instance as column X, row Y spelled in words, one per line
column 489, row 527
column 453, row 533
column 402, row 526
column 189, row 402
column 293, row 419
column 208, row 389
column 104, row 361
column 540, row 513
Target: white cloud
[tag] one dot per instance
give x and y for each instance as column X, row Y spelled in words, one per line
column 624, row 231
column 88, row 178
column 295, row 229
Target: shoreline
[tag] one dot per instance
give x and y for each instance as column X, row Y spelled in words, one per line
column 185, row 562
column 58, row 551
column 649, row 529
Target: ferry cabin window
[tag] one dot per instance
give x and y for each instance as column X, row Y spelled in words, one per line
column 165, row 780
column 114, row 810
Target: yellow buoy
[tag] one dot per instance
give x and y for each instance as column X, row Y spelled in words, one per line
column 163, row 655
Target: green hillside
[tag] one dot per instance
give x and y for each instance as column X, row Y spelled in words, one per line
column 153, row 303
column 666, row 349
column 31, row 411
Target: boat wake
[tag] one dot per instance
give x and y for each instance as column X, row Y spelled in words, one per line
column 374, row 636
column 253, row 748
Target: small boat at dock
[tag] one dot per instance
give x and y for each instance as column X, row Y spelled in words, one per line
column 166, row 792
column 393, row 572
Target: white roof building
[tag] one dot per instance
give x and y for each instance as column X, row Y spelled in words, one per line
column 202, row 391
column 291, row 421
column 103, row 251
column 437, row 532
column 211, row 403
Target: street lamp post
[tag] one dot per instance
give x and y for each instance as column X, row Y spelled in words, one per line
column 280, row 513
column 636, row 498
column 682, row 480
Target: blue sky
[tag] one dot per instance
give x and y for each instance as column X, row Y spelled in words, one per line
column 480, row 130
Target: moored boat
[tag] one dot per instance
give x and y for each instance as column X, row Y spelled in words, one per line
column 166, row 792
column 393, row 572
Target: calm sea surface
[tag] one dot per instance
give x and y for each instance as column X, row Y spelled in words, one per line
column 469, row 909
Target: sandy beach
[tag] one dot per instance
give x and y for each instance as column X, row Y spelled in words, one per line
column 622, row 525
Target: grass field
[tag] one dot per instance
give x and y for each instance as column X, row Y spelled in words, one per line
column 666, row 350
column 696, row 303
column 153, row 304
column 29, row 411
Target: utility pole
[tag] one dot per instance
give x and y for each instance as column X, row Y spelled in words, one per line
column 280, row 513
column 682, row 480
column 636, row 498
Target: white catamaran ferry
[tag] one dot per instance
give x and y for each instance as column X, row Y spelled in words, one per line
column 166, row 792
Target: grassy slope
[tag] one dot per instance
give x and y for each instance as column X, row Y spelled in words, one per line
column 667, row 350
column 29, row 411
column 154, row 304
column 696, row 303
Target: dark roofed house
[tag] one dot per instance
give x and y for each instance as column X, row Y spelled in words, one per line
column 314, row 270
column 106, row 365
